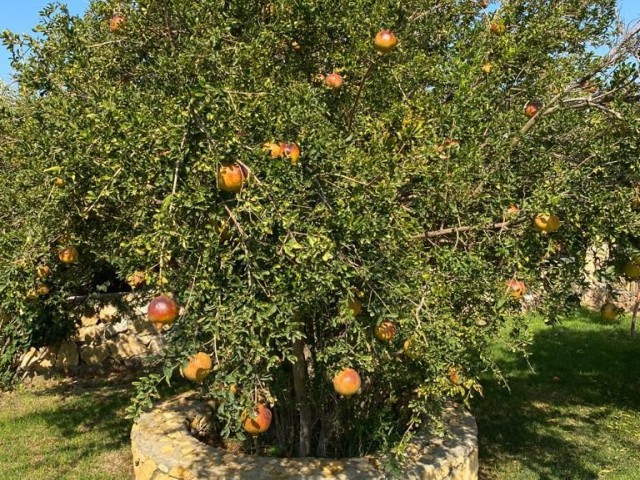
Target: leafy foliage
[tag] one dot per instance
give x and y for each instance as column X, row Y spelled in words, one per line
column 399, row 199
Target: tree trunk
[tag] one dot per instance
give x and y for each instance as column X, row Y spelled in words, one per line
column 300, row 378
column 636, row 305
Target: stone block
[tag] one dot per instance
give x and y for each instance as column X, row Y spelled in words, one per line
column 94, row 354
column 89, row 333
column 67, row 355
column 109, row 313
column 126, row 346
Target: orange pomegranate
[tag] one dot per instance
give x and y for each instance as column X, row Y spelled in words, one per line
column 347, row 382
column 385, row 41
column 333, row 81
column 386, row 330
column 276, row 150
column 497, row 28
column 43, row 271
column 261, row 422
column 513, row 209
column 356, row 306
column 68, row 255
column 231, row 178
column 117, row 22
column 454, row 376
column 532, row 108
column 547, row 223
column 197, row 367
column 515, row 288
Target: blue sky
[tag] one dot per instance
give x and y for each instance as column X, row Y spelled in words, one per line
column 21, row 15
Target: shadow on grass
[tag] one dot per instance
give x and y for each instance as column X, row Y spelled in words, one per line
column 566, row 418
column 87, row 415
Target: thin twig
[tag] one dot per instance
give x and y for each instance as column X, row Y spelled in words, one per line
column 448, row 231
column 104, row 189
column 357, row 99
column 244, row 237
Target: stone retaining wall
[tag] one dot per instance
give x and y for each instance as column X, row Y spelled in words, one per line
column 164, row 448
column 622, row 293
column 109, row 334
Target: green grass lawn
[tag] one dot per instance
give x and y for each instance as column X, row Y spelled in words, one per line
column 582, row 424
column 65, row 430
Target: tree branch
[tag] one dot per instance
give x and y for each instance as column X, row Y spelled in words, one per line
column 448, row 231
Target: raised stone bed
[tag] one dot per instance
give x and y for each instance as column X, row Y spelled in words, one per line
column 164, row 449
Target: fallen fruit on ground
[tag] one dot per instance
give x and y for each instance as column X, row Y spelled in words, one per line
column 386, row 330
column 347, row 382
column 547, row 223
column 68, row 255
column 385, row 41
column 231, row 178
column 59, row 182
column 261, row 421
column 197, row 367
column 608, row 311
column 163, row 310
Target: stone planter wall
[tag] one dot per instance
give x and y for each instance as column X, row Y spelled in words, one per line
column 164, row 448
column 597, row 292
column 109, row 334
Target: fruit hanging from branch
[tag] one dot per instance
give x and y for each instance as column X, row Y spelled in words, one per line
column 386, row 330
column 197, row 367
column 43, row 271
column 163, row 310
column 68, row 255
column 292, row 152
column 497, row 28
column 261, row 421
column 531, row 109
column 547, row 223
column 632, row 268
column 355, row 305
column 385, row 41
column 276, row 150
column 515, row 288
column 347, row 382
column 334, row 81
column 231, row 178
column 116, row 22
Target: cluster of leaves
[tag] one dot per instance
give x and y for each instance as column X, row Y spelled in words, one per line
column 405, row 172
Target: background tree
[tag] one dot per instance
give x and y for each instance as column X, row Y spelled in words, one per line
column 394, row 244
